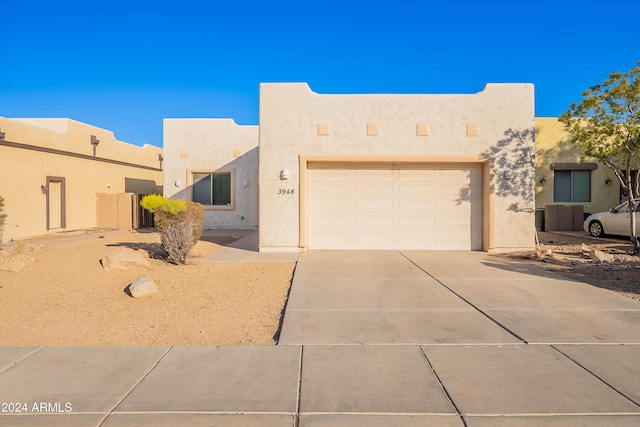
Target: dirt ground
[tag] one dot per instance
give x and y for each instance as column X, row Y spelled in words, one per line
column 564, row 254
column 66, row 297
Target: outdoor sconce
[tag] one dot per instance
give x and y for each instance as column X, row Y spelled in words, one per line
column 43, row 188
column 245, row 183
column 508, row 174
column 2, row 135
column 608, row 181
column 284, row 174
column 94, row 141
column 177, row 183
column 160, row 159
column 543, row 180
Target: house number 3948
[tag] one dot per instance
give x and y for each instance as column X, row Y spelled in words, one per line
column 285, row 190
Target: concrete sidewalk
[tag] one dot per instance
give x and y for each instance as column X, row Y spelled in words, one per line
column 245, row 248
column 321, row 385
column 369, row 338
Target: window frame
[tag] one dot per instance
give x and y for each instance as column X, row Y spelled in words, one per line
column 571, row 185
column 232, row 205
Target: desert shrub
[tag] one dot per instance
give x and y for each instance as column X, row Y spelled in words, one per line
column 152, row 202
column 173, row 207
column 172, row 218
column 3, row 218
column 177, row 240
column 194, row 213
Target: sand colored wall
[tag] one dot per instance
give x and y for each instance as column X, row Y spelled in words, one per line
column 554, row 146
column 23, row 171
column 209, row 145
column 493, row 127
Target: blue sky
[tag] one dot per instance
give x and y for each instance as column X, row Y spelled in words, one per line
column 126, row 65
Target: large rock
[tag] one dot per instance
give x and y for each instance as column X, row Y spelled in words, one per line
column 123, row 258
column 585, row 250
column 21, row 257
column 599, row 256
column 143, row 286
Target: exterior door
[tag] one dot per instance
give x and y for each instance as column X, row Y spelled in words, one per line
column 56, row 215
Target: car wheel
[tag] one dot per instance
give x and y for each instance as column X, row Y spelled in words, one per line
column 595, row 228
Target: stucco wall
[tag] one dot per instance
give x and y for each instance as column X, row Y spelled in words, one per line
column 554, row 146
column 23, row 171
column 293, row 118
column 210, row 145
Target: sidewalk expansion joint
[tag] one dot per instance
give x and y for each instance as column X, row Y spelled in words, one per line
column 444, row 389
column 595, row 375
column 15, row 362
column 135, row 385
column 467, row 301
column 296, row 419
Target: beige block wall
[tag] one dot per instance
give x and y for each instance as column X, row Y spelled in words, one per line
column 23, row 172
column 554, row 146
column 493, row 127
column 210, row 145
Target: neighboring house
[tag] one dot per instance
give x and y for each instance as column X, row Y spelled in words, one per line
column 55, row 172
column 564, row 177
column 365, row 171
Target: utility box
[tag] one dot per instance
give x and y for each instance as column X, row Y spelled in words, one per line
column 563, row 218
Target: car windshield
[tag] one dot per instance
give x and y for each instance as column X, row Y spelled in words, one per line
column 624, row 207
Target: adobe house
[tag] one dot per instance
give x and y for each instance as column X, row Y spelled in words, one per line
column 453, row 172
column 60, row 175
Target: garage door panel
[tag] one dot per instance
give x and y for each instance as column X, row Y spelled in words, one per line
column 456, row 222
column 373, row 190
column 416, row 187
column 419, row 208
column 366, row 222
column 329, row 220
column 414, row 225
column 330, row 241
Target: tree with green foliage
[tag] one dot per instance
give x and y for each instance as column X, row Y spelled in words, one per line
column 605, row 125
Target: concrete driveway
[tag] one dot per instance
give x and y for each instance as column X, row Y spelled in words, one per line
column 431, row 297
column 506, row 343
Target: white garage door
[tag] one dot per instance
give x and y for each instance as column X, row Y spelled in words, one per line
column 395, row 207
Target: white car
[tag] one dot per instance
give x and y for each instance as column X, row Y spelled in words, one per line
column 614, row 222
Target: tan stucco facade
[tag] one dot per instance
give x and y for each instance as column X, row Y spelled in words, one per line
column 49, row 175
column 493, row 128
column 554, row 147
column 201, row 146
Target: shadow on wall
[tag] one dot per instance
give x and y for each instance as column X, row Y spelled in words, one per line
column 516, row 153
column 141, row 186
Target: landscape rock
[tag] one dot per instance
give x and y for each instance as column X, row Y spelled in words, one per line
column 144, row 253
column 21, row 257
column 143, row 286
column 585, row 250
column 600, row 256
column 123, row 258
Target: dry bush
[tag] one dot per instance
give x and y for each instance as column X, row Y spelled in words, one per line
column 193, row 214
column 177, row 240
column 178, row 222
